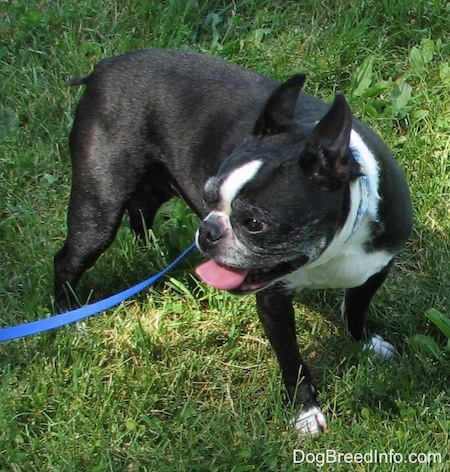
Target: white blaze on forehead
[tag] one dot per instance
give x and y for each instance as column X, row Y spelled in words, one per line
column 236, row 180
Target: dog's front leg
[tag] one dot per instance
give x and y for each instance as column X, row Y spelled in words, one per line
column 277, row 317
column 354, row 308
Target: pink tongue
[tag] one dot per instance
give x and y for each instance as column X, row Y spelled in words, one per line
column 221, row 277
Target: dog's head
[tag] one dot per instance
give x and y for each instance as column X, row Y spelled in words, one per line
column 281, row 197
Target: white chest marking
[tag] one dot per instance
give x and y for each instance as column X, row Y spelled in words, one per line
column 350, row 269
column 345, row 263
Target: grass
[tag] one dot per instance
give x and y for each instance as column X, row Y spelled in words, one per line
column 181, row 378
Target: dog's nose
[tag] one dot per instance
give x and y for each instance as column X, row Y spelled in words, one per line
column 210, row 233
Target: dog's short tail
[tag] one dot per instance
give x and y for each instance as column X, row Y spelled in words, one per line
column 82, row 80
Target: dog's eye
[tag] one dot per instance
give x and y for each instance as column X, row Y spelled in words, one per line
column 252, row 225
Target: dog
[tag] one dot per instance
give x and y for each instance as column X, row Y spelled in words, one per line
column 293, row 192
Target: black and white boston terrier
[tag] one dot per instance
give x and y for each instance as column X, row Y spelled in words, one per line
column 293, row 192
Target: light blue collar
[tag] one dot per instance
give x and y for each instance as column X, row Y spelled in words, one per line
column 364, row 194
column 363, row 207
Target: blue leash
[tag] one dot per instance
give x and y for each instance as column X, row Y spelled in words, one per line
column 57, row 321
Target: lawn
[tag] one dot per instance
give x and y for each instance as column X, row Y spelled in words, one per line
column 181, row 378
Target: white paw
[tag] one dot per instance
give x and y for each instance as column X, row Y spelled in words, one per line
column 80, row 327
column 380, row 348
column 310, row 422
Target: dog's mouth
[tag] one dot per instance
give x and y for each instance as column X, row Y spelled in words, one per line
column 241, row 280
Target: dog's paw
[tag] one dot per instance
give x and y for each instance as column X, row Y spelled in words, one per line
column 381, row 349
column 310, row 422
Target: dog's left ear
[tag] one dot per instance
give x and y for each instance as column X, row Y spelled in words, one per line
column 328, row 157
column 276, row 116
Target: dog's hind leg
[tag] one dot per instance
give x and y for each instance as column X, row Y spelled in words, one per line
column 146, row 201
column 99, row 197
column 92, row 226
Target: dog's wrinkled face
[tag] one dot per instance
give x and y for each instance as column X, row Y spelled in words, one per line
column 279, row 199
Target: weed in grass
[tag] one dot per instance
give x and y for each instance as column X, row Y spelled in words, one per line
column 181, row 378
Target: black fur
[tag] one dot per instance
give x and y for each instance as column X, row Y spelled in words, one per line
column 154, row 124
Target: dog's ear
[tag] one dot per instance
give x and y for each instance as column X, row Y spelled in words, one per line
column 327, row 156
column 276, row 116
